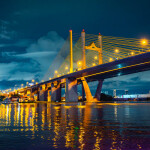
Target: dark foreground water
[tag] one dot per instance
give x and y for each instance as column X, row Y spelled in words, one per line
column 88, row 126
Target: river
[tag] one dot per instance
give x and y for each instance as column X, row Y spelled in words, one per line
column 85, row 126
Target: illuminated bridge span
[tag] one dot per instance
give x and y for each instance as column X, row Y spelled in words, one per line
column 86, row 58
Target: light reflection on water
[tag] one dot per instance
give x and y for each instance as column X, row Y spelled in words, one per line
column 75, row 126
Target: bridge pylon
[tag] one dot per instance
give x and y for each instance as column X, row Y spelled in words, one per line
column 83, row 49
column 100, row 49
column 71, row 52
column 93, row 47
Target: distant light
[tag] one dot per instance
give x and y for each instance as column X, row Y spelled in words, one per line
column 95, row 57
column 42, row 80
column 30, row 84
column 49, row 78
column 66, row 68
column 27, row 83
column 36, row 82
column 56, row 71
column 110, row 59
column 32, row 80
column 116, row 50
column 79, row 63
column 119, row 66
column 144, row 42
column 132, row 53
column 119, row 74
column 94, row 64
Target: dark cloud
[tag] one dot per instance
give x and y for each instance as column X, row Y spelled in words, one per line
column 33, row 61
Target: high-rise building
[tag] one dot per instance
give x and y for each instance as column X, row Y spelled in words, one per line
column 114, row 93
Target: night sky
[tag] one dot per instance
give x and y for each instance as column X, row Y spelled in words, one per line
column 33, row 31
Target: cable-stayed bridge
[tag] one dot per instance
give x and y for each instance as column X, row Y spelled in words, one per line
column 86, row 58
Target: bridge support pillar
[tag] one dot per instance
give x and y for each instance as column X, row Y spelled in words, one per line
column 49, row 96
column 89, row 97
column 83, row 93
column 55, row 92
column 71, row 90
column 43, row 93
column 98, row 91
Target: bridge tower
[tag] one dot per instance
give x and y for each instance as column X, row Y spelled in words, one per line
column 93, row 47
column 83, row 49
column 100, row 49
column 71, row 52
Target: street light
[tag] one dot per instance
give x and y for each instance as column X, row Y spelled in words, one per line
column 79, row 63
column 95, row 57
column 132, row 53
column 116, row 50
column 144, row 42
column 94, row 64
column 110, row 59
column 66, row 68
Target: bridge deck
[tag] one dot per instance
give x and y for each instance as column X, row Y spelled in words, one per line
column 120, row 67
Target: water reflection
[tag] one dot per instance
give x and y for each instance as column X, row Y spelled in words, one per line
column 75, row 126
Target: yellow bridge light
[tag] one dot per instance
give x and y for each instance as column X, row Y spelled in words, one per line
column 116, row 50
column 36, row 82
column 95, row 58
column 56, row 71
column 132, row 53
column 66, row 68
column 144, row 42
column 42, row 80
column 21, row 84
column 94, row 64
column 79, row 63
column 110, row 59
column 27, row 83
column 32, row 80
column 49, row 78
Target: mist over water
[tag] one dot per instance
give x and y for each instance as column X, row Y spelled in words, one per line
column 86, row 126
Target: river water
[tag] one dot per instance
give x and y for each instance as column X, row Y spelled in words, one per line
column 88, row 126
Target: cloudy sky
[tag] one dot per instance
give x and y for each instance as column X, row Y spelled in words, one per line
column 33, row 31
